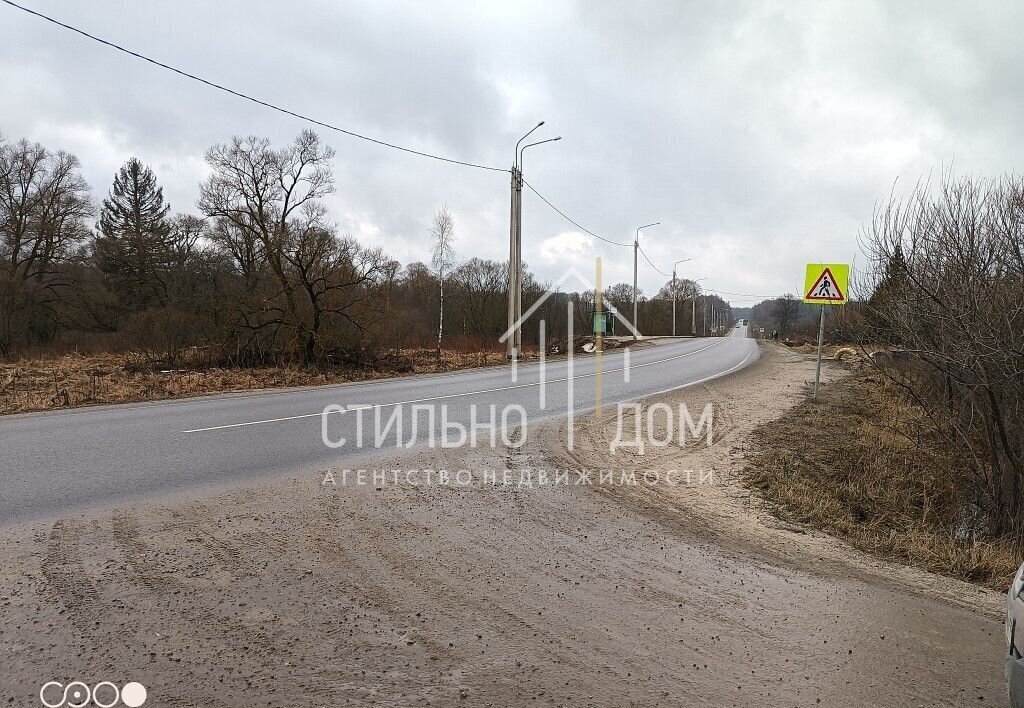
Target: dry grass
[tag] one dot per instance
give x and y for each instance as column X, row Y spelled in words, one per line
column 45, row 383
column 864, row 465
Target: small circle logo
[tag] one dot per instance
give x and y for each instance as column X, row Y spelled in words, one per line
column 105, row 694
column 133, row 694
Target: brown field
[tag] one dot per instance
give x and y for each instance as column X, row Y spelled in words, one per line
column 45, row 383
column 74, row 379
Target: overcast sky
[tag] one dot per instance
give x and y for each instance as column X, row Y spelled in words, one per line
column 759, row 133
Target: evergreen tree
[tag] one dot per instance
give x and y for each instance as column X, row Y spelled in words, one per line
column 887, row 306
column 133, row 248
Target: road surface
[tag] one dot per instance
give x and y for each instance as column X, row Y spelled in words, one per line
column 62, row 462
column 279, row 590
column 285, row 592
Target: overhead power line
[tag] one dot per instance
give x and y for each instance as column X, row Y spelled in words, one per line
column 569, row 219
column 239, row 94
column 766, row 297
column 651, row 263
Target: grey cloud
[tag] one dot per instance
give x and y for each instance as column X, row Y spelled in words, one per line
column 759, row 133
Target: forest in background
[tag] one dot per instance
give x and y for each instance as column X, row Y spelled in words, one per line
column 256, row 274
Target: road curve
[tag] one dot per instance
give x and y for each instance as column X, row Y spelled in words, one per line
column 60, row 462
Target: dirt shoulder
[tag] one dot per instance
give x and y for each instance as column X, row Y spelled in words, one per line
column 768, row 393
column 296, row 593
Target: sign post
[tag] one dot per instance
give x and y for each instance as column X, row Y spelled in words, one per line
column 825, row 284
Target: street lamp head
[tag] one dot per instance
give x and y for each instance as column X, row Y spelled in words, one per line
column 530, row 145
column 515, row 162
column 639, row 228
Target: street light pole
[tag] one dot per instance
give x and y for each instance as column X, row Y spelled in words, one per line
column 514, row 342
column 636, row 248
column 518, row 243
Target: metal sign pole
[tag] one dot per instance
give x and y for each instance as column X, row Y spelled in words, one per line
column 821, row 337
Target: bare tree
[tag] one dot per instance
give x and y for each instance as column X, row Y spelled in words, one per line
column 267, row 206
column 442, row 232
column 785, row 310
column 481, row 289
column 946, row 287
column 44, row 205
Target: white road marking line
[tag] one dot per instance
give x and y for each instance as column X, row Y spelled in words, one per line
column 441, row 398
column 703, row 380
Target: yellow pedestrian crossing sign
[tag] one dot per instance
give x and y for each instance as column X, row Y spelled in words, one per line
column 825, row 283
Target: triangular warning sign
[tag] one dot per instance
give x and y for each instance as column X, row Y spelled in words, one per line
column 825, row 288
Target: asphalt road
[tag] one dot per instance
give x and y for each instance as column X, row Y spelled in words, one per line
column 56, row 463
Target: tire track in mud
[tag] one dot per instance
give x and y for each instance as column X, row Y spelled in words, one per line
column 180, row 606
column 139, row 556
column 651, row 502
column 386, row 590
column 241, row 554
column 179, row 562
column 364, row 603
column 67, row 581
column 433, row 581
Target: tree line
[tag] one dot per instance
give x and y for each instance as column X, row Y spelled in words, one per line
column 944, row 290
column 257, row 274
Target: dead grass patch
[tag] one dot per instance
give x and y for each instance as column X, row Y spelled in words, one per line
column 45, row 383
column 865, row 465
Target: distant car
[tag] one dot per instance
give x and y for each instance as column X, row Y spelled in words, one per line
column 1015, row 640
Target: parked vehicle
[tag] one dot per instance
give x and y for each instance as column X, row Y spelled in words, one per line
column 1015, row 640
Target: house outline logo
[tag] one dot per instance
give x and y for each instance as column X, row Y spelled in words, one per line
column 555, row 288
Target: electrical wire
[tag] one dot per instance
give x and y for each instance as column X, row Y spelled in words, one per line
column 752, row 295
column 651, row 263
column 588, row 231
column 567, row 217
column 335, row 128
column 239, row 94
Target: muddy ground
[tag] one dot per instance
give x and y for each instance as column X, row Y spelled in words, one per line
column 295, row 593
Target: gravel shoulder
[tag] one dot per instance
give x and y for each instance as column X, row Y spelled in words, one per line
column 296, row 593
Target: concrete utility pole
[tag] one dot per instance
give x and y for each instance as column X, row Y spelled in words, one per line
column 514, row 345
column 636, row 249
column 510, row 344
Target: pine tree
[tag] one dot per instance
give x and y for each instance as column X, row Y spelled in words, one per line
column 133, row 247
column 887, row 305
